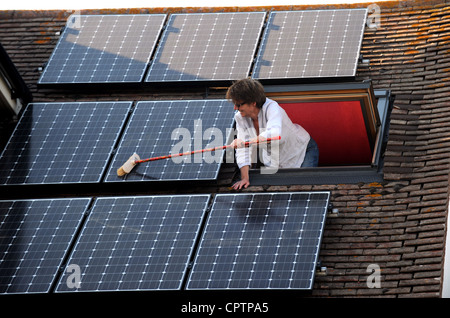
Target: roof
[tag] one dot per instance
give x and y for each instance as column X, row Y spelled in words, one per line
column 399, row 223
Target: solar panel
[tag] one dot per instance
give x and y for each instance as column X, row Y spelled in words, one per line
column 159, row 128
column 104, row 48
column 260, row 241
column 311, row 44
column 62, row 143
column 137, row 243
column 35, row 236
column 207, row 46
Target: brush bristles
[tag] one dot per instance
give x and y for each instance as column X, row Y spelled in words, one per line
column 121, row 172
column 128, row 166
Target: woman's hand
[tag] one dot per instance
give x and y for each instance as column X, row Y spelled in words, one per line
column 245, row 177
column 237, row 143
column 244, row 183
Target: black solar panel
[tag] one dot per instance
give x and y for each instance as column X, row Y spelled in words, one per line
column 103, row 48
column 310, row 44
column 207, row 46
column 260, row 241
column 137, row 243
column 34, row 238
column 62, row 143
column 159, row 128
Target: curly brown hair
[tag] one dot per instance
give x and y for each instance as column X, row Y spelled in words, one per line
column 246, row 90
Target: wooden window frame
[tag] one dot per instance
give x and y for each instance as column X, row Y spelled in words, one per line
column 376, row 126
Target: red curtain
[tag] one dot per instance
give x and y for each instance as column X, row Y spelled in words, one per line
column 337, row 127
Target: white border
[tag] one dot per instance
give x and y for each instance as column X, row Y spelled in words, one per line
column 446, row 269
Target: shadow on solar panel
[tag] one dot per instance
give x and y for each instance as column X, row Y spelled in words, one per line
column 103, row 49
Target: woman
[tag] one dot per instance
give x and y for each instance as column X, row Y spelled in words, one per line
column 259, row 118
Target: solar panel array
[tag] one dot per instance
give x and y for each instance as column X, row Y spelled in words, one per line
column 163, row 242
column 207, row 46
column 137, row 243
column 159, row 128
column 104, row 48
column 56, row 143
column 35, row 236
column 308, row 44
column 260, row 241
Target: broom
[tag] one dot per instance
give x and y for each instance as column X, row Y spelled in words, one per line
column 135, row 159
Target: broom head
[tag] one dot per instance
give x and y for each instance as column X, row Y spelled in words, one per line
column 128, row 165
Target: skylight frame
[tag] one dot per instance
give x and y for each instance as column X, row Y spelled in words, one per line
column 378, row 105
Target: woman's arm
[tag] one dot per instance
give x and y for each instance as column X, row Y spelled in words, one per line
column 245, row 179
column 274, row 121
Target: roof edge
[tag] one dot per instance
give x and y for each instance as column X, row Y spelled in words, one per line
column 63, row 14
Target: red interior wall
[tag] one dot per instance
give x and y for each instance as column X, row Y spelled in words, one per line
column 337, row 127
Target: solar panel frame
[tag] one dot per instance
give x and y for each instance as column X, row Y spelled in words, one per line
column 283, row 56
column 137, row 243
column 62, row 143
column 159, row 128
column 247, row 244
column 34, row 244
column 104, row 49
column 207, row 47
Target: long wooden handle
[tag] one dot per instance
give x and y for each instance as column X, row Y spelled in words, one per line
column 247, row 144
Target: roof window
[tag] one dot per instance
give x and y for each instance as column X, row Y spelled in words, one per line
column 349, row 123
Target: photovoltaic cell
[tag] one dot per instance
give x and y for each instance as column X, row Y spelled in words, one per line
column 62, row 143
column 137, row 243
column 34, row 237
column 104, row 48
column 311, row 44
column 260, row 241
column 207, row 46
column 159, row 128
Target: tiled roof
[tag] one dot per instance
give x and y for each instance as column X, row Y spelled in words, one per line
column 398, row 224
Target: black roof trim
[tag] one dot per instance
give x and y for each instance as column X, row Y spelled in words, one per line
column 18, row 85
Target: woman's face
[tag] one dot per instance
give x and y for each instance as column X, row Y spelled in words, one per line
column 246, row 109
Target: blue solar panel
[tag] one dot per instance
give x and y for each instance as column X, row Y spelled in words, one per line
column 260, row 241
column 104, row 49
column 137, row 243
column 159, row 128
column 207, row 46
column 34, row 238
column 311, row 44
column 60, row 143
